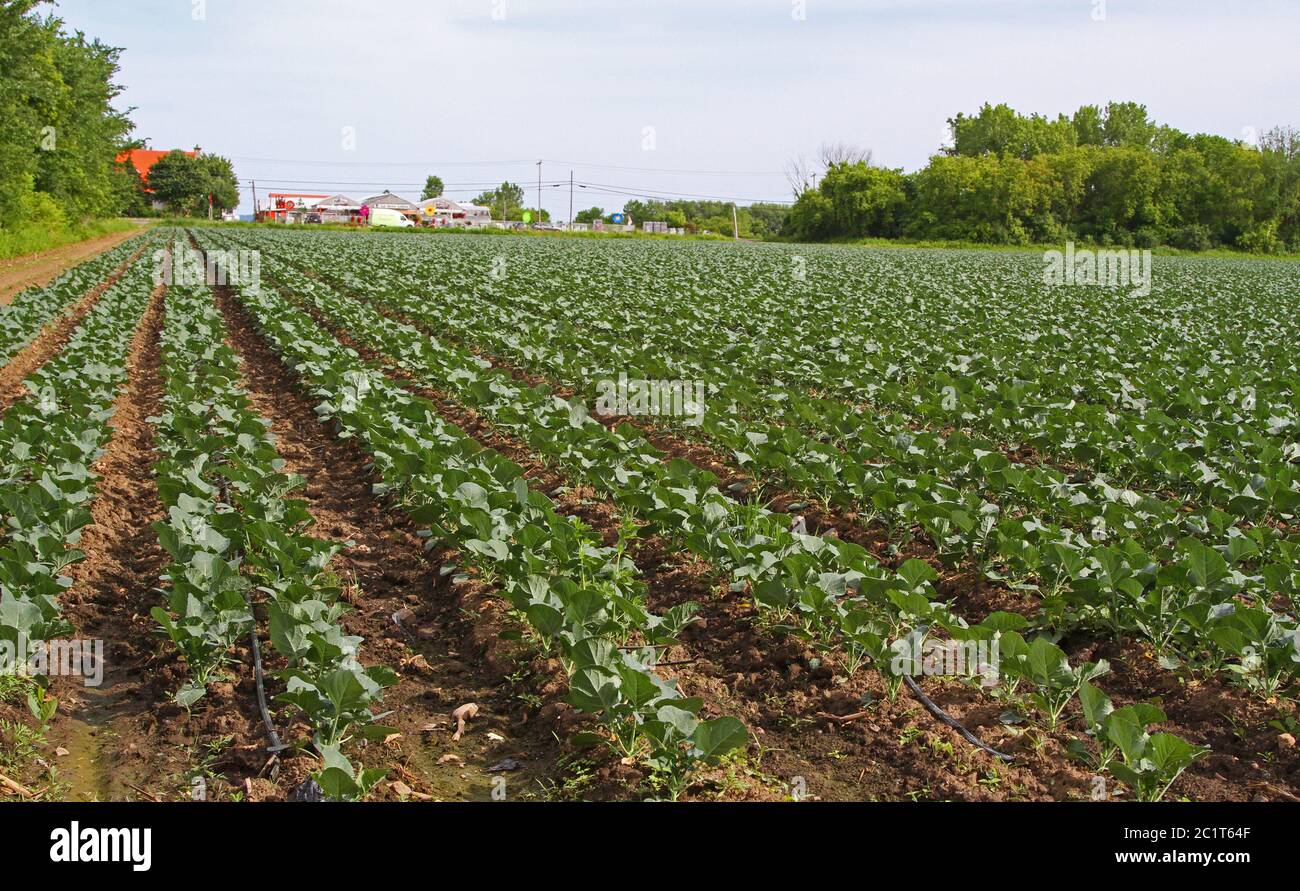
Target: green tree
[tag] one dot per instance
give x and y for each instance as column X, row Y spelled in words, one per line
column 61, row 133
column 130, row 196
column 220, row 183
column 811, row 218
column 29, row 92
column 507, row 199
column 1128, row 124
column 999, row 130
column 184, row 183
column 76, row 166
column 768, row 219
column 432, row 188
column 1108, row 174
column 1280, row 151
column 1121, row 196
column 1089, row 125
column 176, row 180
column 865, row 201
column 590, row 215
column 986, row 198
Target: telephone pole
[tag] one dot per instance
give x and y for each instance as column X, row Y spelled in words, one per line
column 254, row 200
column 539, row 191
column 735, row 226
column 570, row 200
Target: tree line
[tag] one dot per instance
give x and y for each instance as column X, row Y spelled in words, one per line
column 1108, row 175
column 62, row 135
column 753, row 221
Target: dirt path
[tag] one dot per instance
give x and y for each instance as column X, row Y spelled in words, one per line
column 34, row 270
column 52, row 338
column 384, row 571
column 110, row 733
column 126, row 739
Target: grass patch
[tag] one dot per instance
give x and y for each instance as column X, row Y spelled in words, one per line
column 1162, row 251
column 31, row 239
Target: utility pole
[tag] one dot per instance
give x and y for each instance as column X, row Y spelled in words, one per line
column 570, row 199
column 254, row 200
column 735, row 226
column 539, row 191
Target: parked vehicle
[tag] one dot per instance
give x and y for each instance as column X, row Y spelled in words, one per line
column 386, row 216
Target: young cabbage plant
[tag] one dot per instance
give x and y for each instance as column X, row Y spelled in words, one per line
column 1151, row 761
column 1045, row 667
column 1267, row 648
column 340, row 781
column 1098, row 716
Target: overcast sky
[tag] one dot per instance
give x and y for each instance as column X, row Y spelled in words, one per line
column 690, row 97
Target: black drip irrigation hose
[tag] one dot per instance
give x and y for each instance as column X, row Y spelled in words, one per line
column 276, row 747
column 929, row 704
column 952, row 722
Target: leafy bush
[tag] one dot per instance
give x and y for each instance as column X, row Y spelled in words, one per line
column 1260, row 238
column 1194, row 237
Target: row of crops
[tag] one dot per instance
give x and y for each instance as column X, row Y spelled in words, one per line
column 34, row 308
column 1123, row 468
column 579, row 596
column 242, row 557
column 1201, row 577
column 1193, row 557
column 50, row 440
column 235, row 531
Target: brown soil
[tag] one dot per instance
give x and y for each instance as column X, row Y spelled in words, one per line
column 37, row 270
column 126, row 739
column 52, row 338
column 447, row 649
column 791, row 697
column 778, row 688
column 1247, row 761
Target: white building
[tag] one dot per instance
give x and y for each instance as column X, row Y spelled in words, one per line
column 337, row 209
column 391, row 201
column 476, row 214
column 445, row 212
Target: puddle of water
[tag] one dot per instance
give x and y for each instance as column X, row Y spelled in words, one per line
column 86, row 729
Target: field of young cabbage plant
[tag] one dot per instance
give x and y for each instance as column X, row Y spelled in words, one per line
column 395, row 516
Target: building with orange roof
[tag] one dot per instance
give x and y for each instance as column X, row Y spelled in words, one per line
column 144, row 159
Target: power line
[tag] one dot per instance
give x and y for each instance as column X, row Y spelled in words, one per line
column 593, row 166
column 670, row 169
column 379, row 182
column 273, row 186
column 304, row 163
column 634, row 192
column 601, row 188
column 615, row 189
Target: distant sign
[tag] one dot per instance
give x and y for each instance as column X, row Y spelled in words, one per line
column 616, row 218
column 528, row 216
